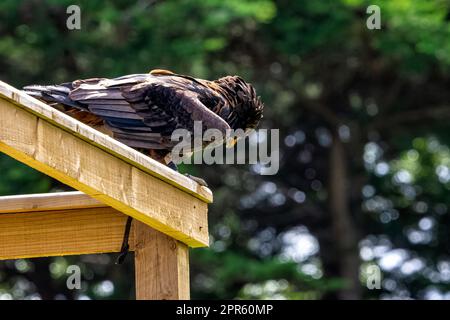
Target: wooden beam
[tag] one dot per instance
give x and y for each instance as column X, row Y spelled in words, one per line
column 161, row 266
column 87, row 160
column 72, row 223
column 103, row 141
column 61, row 232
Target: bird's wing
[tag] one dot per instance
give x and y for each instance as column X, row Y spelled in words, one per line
column 166, row 107
column 142, row 111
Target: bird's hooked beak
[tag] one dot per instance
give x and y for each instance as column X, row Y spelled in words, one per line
column 232, row 140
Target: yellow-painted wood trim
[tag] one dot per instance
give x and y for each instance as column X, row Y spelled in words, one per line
column 73, row 160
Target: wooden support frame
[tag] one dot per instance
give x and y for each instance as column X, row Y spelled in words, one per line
column 72, row 223
column 107, row 170
column 169, row 209
column 58, row 224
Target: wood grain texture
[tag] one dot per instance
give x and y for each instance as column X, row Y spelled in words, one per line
column 161, row 266
column 81, row 164
column 48, row 202
column 61, row 232
column 103, row 142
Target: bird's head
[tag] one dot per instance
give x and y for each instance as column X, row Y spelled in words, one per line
column 246, row 107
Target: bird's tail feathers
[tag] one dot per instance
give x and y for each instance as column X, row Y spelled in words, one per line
column 53, row 94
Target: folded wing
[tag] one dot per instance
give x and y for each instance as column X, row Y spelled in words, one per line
column 142, row 110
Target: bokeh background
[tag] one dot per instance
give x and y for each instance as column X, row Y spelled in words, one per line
column 364, row 124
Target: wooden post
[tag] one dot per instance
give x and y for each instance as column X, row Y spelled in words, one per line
column 161, row 265
column 169, row 209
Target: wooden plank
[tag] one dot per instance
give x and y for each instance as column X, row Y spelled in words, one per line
column 48, row 202
column 102, row 175
column 161, row 266
column 61, row 232
column 104, row 142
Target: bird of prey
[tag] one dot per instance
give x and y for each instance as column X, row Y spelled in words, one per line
column 142, row 110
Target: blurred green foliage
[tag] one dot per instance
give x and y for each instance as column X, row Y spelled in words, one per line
column 17, row 178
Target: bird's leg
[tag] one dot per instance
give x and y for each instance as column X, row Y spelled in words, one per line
column 165, row 158
column 173, row 166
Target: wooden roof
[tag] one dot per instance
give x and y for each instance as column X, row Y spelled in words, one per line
column 101, row 167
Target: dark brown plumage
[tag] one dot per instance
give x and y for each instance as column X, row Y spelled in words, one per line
column 142, row 110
